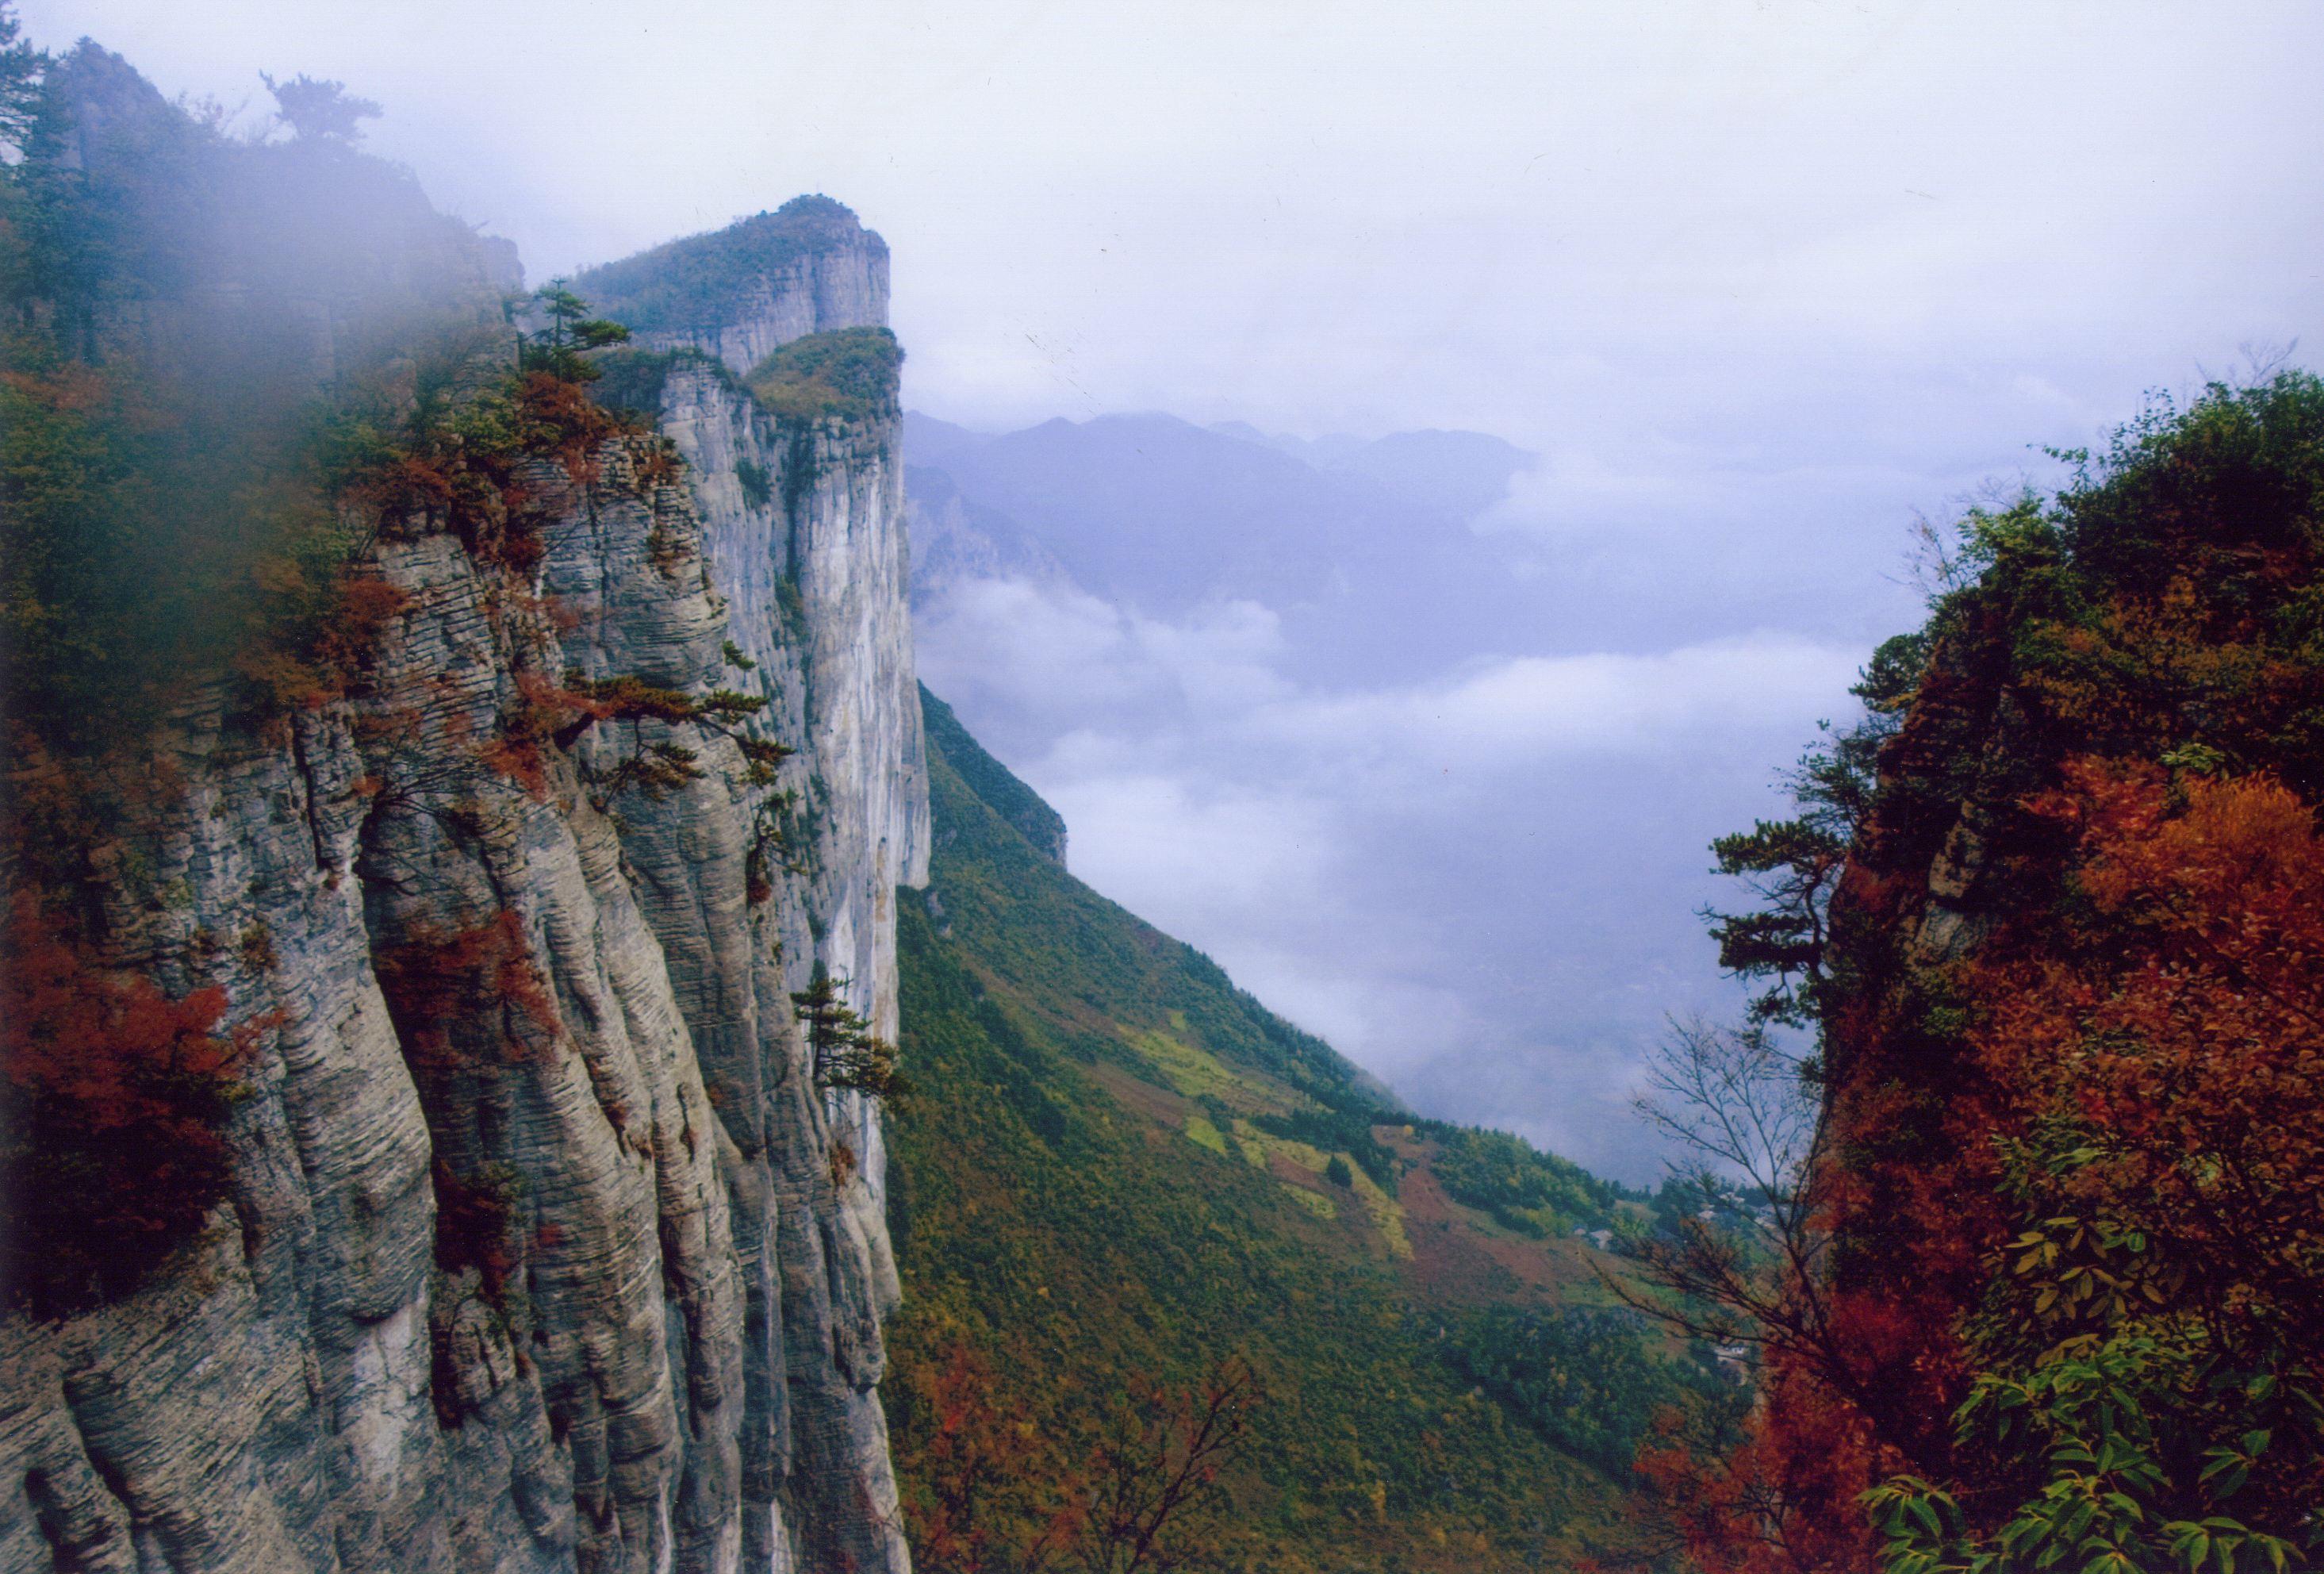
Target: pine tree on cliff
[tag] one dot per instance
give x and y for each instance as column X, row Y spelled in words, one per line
column 572, row 333
column 846, row 1053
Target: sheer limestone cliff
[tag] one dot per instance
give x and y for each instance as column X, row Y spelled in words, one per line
column 543, row 1250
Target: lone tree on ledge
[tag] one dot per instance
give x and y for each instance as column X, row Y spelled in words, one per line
column 319, row 111
column 847, row 1054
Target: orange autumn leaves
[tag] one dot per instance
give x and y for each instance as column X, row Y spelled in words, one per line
column 2141, row 1360
column 994, row 1491
column 2179, row 1029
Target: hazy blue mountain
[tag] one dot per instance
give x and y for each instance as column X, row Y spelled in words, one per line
column 1371, row 564
column 930, row 441
column 955, row 538
column 1459, row 474
column 1159, row 513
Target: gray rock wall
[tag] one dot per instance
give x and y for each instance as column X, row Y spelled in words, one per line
column 836, row 609
column 738, row 293
column 817, row 294
column 543, row 1250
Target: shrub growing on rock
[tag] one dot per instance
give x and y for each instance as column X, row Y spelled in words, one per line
column 117, row 1099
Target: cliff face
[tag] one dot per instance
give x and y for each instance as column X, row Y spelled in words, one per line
column 740, row 293
column 543, row 1250
column 832, row 622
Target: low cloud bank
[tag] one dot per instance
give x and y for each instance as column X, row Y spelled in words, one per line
column 1480, row 883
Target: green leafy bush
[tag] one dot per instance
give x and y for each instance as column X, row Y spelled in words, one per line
column 849, row 374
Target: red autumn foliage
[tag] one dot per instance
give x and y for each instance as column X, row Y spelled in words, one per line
column 999, row 1493
column 469, row 996
column 479, row 1225
column 2168, row 1012
column 546, row 716
column 985, row 1507
column 2181, row 1033
column 566, row 423
column 1782, row 1503
column 410, row 483
column 326, row 637
column 117, row 1099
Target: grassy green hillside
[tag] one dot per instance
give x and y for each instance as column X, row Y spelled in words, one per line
column 1121, row 1168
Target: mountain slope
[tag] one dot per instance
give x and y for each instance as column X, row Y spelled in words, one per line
column 1121, row 1167
column 957, row 539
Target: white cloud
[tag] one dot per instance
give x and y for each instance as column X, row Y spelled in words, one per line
column 1060, row 654
column 1196, row 849
column 1529, row 709
column 1480, row 884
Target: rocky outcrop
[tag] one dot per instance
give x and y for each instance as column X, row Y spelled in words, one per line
column 740, row 293
column 544, row 1251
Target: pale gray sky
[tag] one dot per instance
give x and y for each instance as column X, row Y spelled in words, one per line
column 1756, row 280
column 1534, row 218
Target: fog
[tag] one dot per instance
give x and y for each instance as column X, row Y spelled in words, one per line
column 1756, row 284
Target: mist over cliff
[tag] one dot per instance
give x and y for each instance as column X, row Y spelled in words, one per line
column 545, row 731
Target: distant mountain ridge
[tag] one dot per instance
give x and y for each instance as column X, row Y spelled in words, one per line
column 1460, row 474
column 1370, row 548
column 957, row 539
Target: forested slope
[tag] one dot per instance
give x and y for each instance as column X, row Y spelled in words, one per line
column 2054, row 914
column 1120, row 1171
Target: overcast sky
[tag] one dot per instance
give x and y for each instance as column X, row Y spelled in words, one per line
column 1757, row 281
column 1539, row 220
